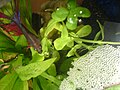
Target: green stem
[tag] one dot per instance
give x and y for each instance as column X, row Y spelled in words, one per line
column 99, row 42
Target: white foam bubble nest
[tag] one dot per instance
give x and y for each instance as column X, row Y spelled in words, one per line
column 99, row 69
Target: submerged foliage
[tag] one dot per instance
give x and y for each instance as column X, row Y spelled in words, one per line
column 40, row 61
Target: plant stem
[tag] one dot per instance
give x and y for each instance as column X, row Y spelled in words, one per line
column 99, row 42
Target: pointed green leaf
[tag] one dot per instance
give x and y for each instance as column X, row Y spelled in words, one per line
column 52, row 70
column 21, row 42
column 34, row 69
column 8, row 81
column 35, row 84
column 51, row 86
column 43, row 82
column 20, row 85
column 84, row 31
column 5, row 41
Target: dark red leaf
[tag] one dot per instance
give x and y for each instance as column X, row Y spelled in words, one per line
column 2, row 15
column 12, row 28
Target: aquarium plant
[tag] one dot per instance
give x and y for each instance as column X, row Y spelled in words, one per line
column 40, row 61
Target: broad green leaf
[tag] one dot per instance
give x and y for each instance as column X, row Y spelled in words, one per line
column 80, row 12
column 71, row 4
column 18, row 61
column 34, row 69
column 35, row 84
column 51, row 25
column 36, row 56
column 73, row 50
column 56, row 55
column 59, row 27
column 46, row 43
column 70, row 43
column 60, row 43
column 51, row 78
column 60, row 14
column 20, row 85
column 84, row 31
column 21, row 42
column 8, row 81
column 71, row 22
column 65, row 66
column 116, row 87
column 52, row 70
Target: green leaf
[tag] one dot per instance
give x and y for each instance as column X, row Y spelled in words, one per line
column 18, row 61
column 71, row 22
column 36, row 56
column 8, row 81
column 35, row 84
column 73, row 50
column 29, row 26
column 64, row 32
column 29, row 10
column 80, row 12
column 71, row 4
column 51, row 25
column 84, row 31
column 101, row 30
column 70, row 43
column 65, row 66
column 21, row 42
column 60, row 43
column 52, row 70
column 34, row 69
column 97, row 36
column 116, row 87
column 52, row 86
column 46, row 43
column 20, row 85
column 56, row 55
column 43, row 82
column 60, row 14
column 5, row 41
